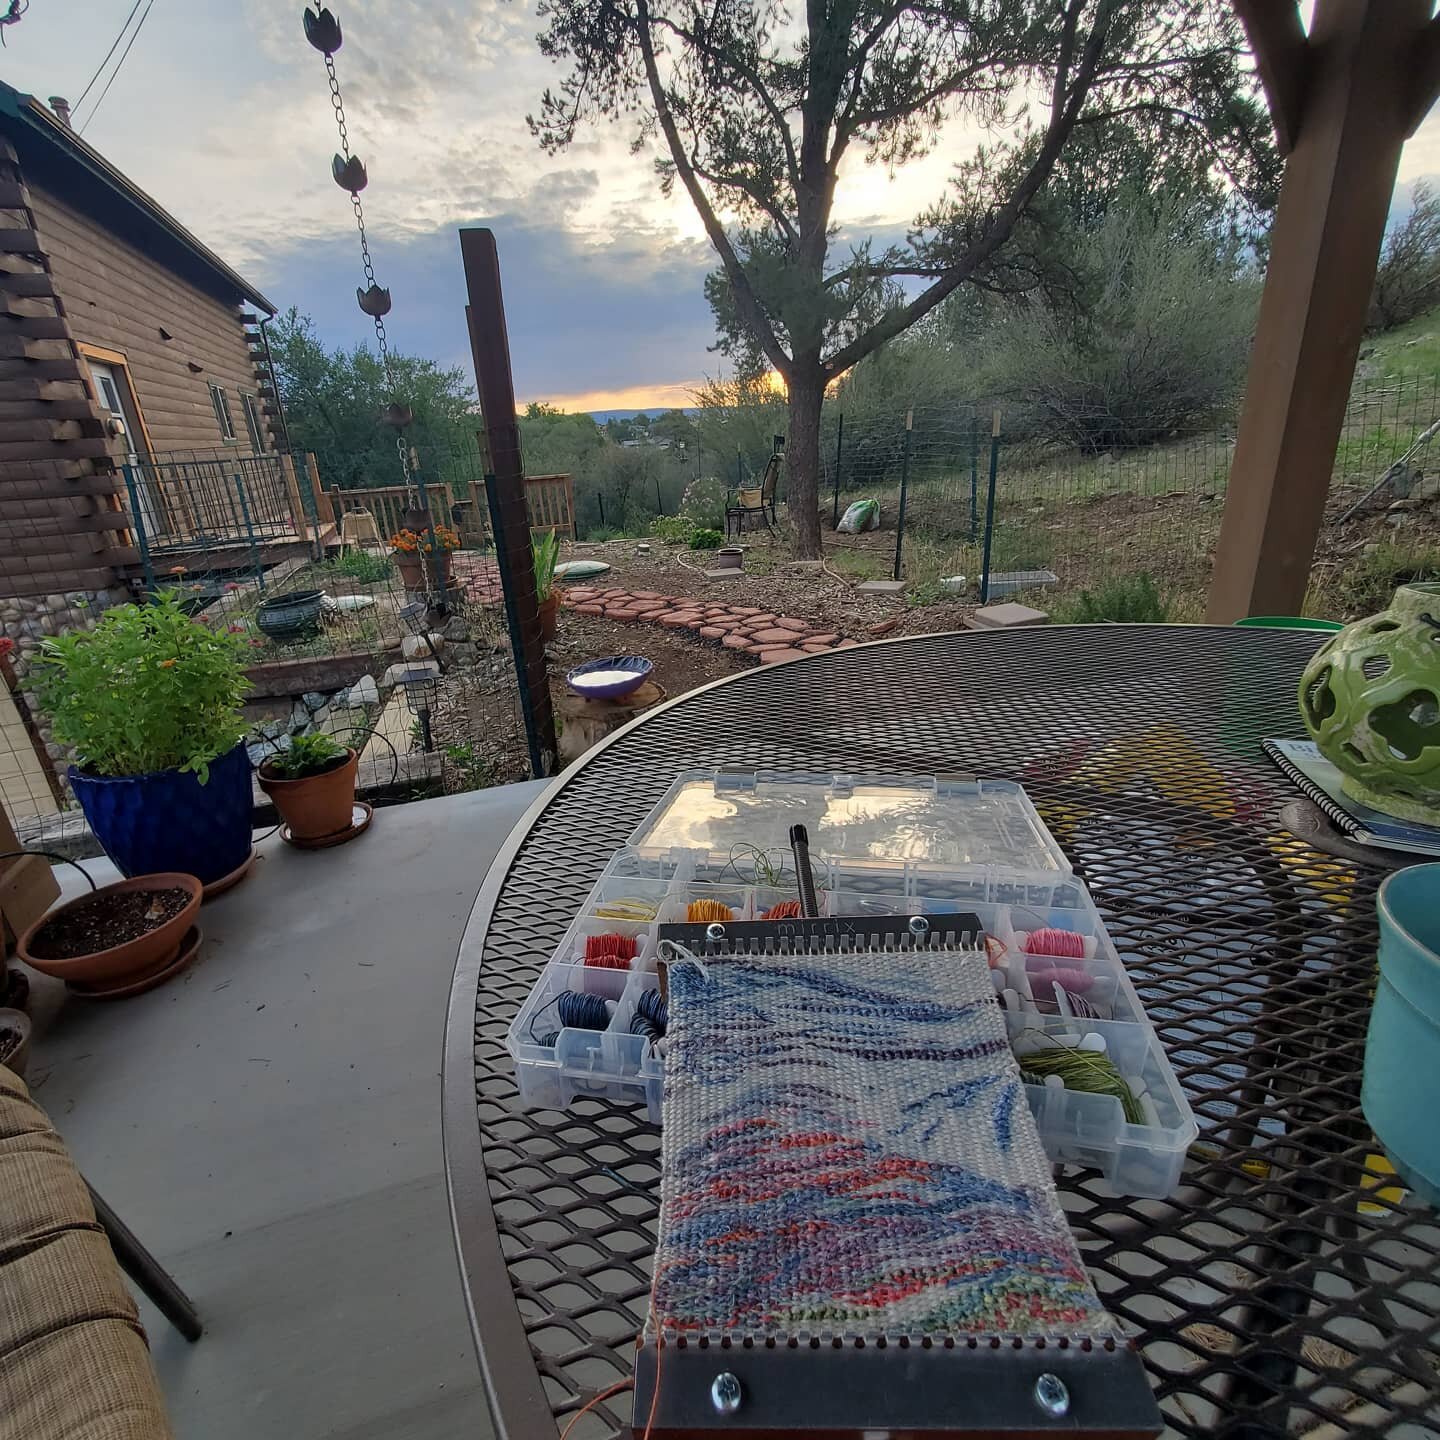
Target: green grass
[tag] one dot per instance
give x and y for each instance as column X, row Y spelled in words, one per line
column 1393, row 356
column 1128, row 599
column 1367, row 583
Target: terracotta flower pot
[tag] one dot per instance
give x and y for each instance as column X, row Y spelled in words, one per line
column 549, row 617
column 131, row 959
column 314, row 806
column 15, row 1057
column 412, row 571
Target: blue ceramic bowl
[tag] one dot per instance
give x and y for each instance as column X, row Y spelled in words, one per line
column 637, row 667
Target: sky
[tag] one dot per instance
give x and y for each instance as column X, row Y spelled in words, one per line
column 222, row 112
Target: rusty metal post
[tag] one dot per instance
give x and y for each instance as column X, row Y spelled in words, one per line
column 490, row 345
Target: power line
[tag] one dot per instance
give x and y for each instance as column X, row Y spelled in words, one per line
column 108, row 54
column 134, row 35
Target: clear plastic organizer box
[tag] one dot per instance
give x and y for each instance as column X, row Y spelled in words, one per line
column 879, row 846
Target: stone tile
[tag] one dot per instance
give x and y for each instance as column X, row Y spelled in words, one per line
column 745, row 610
column 589, row 608
column 647, row 595
column 814, row 647
column 830, row 636
column 713, row 632
column 736, row 641
column 882, row 587
column 772, row 635
column 846, row 645
column 788, row 622
column 775, row 656
column 679, row 619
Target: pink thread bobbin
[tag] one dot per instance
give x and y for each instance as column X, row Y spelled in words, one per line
column 1064, row 944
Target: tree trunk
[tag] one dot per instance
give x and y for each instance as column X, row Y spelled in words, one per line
column 802, row 461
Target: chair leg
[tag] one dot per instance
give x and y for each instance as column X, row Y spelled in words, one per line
column 143, row 1268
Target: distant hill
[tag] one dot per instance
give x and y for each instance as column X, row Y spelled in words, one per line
column 601, row 416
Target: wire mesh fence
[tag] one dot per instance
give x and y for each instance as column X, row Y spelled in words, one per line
column 1062, row 521
column 349, row 630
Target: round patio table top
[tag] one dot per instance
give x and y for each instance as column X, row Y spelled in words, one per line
column 1285, row 1289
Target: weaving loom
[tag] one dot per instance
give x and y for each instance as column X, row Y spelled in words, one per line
column 859, row 1235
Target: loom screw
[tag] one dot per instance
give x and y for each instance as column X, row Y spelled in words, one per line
column 725, row 1394
column 1051, row 1395
column 919, row 926
column 715, row 931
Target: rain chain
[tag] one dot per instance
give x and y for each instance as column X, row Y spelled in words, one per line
column 322, row 30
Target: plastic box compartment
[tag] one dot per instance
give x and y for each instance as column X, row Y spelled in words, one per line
column 1075, row 1127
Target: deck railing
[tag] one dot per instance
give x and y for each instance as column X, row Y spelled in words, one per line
column 214, row 499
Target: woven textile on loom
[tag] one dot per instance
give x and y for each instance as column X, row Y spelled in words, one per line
column 848, row 1150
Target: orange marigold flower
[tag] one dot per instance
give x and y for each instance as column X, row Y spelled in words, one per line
column 167, row 664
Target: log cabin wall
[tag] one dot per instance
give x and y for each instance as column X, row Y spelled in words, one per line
column 177, row 338
column 61, row 528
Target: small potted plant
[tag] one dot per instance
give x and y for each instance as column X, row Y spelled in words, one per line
column 313, row 786
column 118, row 936
column 150, row 699
column 422, row 553
column 544, row 552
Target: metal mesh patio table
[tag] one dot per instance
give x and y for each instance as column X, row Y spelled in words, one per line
column 1282, row 1291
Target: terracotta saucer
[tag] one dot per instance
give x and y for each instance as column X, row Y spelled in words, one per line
column 361, row 813
column 228, row 882
column 123, row 989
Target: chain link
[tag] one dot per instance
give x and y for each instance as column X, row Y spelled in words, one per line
column 381, row 339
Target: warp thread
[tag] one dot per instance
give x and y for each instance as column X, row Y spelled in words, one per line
column 651, row 1016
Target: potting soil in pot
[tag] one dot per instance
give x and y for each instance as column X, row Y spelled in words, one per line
column 105, row 922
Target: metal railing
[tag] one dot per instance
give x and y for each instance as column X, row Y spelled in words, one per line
column 181, row 501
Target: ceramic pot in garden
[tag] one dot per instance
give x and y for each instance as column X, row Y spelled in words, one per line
column 314, row 807
column 169, row 821
column 295, row 615
column 14, row 1040
column 549, row 616
column 1370, row 697
column 119, row 933
column 729, row 557
column 412, row 571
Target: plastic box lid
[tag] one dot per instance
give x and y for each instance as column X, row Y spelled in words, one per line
column 943, row 820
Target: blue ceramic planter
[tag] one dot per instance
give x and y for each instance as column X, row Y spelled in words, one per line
column 1402, row 1051
column 170, row 821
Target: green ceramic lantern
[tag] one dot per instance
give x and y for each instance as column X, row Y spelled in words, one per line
column 1371, row 699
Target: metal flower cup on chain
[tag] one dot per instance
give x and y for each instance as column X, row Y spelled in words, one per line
column 1370, row 698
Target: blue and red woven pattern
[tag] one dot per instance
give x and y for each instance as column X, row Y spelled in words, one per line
column 848, row 1151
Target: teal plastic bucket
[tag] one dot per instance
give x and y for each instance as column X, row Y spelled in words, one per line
column 1402, row 1052
column 1287, row 622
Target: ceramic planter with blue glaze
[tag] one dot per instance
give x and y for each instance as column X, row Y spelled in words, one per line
column 169, row 821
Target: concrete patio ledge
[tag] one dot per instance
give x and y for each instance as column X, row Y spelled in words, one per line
column 269, row 1125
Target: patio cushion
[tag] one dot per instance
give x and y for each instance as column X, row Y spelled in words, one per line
column 73, row 1358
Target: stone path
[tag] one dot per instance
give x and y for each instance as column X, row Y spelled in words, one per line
column 479, row 576
column 768, row 637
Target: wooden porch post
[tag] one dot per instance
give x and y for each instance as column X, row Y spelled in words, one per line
column 1344, row 99
column 490, row 346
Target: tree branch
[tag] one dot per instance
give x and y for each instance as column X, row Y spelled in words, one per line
column 751, row 78
column 746, row 303
column 1064, row 112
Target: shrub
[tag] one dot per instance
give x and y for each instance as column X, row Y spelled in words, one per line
column 147, row 689
column 1157, row 350
column 704, row 501
column 706, row 540
column 1408, row 281
column 362, row 566
column 1132, row 599
column 307, row 755
column 672, row 529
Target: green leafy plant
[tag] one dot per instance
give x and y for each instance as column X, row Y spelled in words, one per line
column 362, row 566
column 473, row 771
column 706, row 540
column 307, row 755
column 147, row 689
column 672, row 529
column 1132, row 599
column 545, row 553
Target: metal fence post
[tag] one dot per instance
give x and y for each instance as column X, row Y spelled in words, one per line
column 600, row 501
column 904, row 487
column 990, row 506
column 137, row 523
column 839, row 453
column 974, row 478
column 250, row 531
